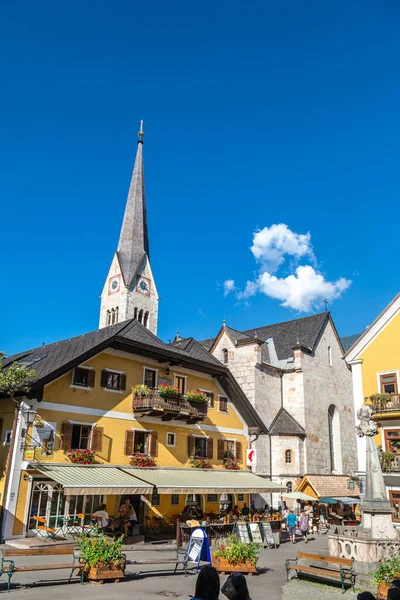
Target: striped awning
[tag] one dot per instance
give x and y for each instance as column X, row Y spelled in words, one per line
column 94, row 479
column 201, row 481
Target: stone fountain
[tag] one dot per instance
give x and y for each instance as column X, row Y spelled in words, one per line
column 376, row 537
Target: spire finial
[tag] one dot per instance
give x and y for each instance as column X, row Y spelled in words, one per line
column 224, row 322
column 326, row 305
column 141, row 132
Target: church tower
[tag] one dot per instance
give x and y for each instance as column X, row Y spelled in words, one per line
column 130, row 291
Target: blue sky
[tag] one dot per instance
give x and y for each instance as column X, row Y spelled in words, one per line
column 257, row 114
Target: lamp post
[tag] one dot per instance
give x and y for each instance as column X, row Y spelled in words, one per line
column 29, row 415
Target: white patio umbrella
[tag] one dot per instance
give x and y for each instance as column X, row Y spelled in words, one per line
column 298, row 496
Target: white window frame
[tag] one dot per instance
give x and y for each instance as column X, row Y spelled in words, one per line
column 224, row 412
column 7, row 437
column 183, row 377
column 208, row 392
column 150, row 369
column 378, row 379
column 166, row 439
column 74, row 385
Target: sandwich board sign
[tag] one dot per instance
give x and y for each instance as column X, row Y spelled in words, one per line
column 256, row 532
column 251, row 457
column 269, row 539
column 198, row 548
column 243, row 532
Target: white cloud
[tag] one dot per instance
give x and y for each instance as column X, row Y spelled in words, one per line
column 271, row 244
column 229, row 286
column 304, row 290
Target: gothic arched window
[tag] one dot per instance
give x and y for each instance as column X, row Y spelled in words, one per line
column 225, row 355
column 289, row 487
column 332, row 424
column 112, row 316
column 288, row 456
column 116, row 314
column 135, row 313
column 146, row 318
column 140, row 317
column 108, row 317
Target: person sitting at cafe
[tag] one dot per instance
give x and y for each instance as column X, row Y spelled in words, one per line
column 130, row 518
column 187, row 513
column 101, row 516
column 198, row 513
column 245, row 510
column 235, row 512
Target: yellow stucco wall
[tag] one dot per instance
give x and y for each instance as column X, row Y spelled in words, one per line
column 7, row 415
column 383, row 354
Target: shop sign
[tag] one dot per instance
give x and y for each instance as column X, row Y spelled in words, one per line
column 251, row 457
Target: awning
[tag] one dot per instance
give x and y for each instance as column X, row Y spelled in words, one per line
column 299, row 496
column 79, row 480
column 198, row 481
column 347, row 499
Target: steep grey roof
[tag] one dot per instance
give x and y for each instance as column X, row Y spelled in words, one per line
column 134, row 238
column 349, row 340
column 195, row 349
column 285, row 424
column 287, row 334
column 237, row 336
column 207, row 343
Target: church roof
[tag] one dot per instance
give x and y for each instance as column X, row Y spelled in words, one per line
column 54, row 360
column 133, row 242
column 285, row 424
column 304, row 331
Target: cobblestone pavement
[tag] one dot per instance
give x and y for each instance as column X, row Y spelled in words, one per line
column 155, row 583
column 307, row 590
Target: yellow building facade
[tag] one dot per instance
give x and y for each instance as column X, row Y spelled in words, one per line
column 375, row 363
column 90, row 405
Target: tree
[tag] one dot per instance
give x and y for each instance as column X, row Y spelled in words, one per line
column 14, row 378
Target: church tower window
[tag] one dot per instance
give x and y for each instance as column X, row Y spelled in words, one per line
column 140, row 317
column 146, row 318
column 135, row 313
column 108, row 318
column 225, row 355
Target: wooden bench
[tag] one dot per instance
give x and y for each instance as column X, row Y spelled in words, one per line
column 337, row 569
column 8, row 567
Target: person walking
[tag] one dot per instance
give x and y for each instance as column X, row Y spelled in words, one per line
column 235, row 587
column 291, row 521
column 207, row 584
column 303, row 525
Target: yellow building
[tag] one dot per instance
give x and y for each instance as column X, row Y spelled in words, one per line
column 84, row 401
column 375, row 363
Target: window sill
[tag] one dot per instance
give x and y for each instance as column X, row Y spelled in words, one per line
column 112, row 390
column 223, row 412
column 80, row 387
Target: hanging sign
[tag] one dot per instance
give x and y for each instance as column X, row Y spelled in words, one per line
column 29, row 455
column 43, row 436
column 251, row 457
column 255, row 532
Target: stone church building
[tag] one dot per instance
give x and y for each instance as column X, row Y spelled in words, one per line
column 295, row 376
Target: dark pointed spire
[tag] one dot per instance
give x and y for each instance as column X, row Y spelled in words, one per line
column 134, row 238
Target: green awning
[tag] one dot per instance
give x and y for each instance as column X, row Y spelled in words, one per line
column 200, row 481
column 94, row 479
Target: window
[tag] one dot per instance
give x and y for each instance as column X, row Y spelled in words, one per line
column 240, row 497
column 331, row 417
column 180, row 383
column 175, row 499
column 223, row 404
column 155, row 499
column 210, row 397
column 212, row 497
column 143, row 442
column 392, row 441
column 146, row 318
column 388, row 383
column 150, row 378
column 140, row 316
column 289, row 487
column 200, row 448
column 83, row 377
column 226, row 449
column 330, row 355
column 7, row 437
column 171, row 437
column 288, row 457
column 225, row 355
column 80, row 437
column 135, row 313
column 140, row 442
column 394, row 498
column 113, row 380
column 108, row 317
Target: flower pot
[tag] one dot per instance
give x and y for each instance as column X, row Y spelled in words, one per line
column 383, row 589
column 223, row 566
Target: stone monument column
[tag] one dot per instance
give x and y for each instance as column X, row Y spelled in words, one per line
column 377, row 513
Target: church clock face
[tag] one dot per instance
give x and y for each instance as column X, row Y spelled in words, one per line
column 143, row 286
column 114, row 284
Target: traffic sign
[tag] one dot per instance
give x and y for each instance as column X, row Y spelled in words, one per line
column 251, row 457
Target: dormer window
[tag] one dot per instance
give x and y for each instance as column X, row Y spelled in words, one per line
column 225, row 356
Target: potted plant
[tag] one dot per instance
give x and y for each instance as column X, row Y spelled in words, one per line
column 379, row 401
column 168, row 391
column 143, row 461
column 201, row 463
column 387, row 458
column 82, row 457
column 236, row 556
column 231, row 464
column 387, row 570
column 101, row 557
column 142, row 391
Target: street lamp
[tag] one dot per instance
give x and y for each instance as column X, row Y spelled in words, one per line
column 30, row 415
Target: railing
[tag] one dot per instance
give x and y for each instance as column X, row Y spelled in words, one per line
column 391, row 405
column 174, row 406
column 392, row 466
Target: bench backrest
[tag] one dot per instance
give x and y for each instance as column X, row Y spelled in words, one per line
column 37, row 551
column 323, row 558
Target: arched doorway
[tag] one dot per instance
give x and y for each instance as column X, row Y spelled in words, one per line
column 226, row 502
column 194, row 500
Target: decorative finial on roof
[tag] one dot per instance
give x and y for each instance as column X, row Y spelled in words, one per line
column 326, row 305
column 297, row 341
column 224, row 322
column 141, row 132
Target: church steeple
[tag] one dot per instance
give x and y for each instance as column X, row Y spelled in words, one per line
column 134, row 238
column 130, row 291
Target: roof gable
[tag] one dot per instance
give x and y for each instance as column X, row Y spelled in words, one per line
column 285, row 424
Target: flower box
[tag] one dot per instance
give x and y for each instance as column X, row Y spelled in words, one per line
column 168, row 391
column 99, row 574
column 143, row 461
column 224, row 566
column 82, row 457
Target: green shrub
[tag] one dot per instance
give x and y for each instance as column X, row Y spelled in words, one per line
column 236, row 551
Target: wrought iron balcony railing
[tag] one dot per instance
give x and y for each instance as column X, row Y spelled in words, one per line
column 391, row 466
column 388, row 404
column 168, row 407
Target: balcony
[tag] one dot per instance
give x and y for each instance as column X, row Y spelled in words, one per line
column 385, row 403
column 391, row 465
column 168, row 408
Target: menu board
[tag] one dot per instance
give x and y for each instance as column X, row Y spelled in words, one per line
column 255, row 532
column 42, row 432
column 268, row 535
column 195, row 545
column 243, row 532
